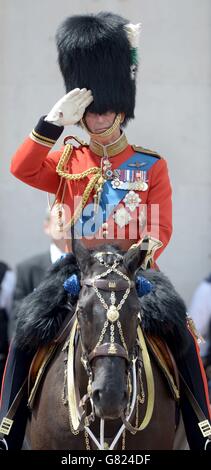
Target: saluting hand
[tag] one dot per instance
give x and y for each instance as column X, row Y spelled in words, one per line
column 70, row 108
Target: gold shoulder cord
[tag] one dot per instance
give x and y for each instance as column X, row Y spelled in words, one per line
column 76, row 176
column 95, row 181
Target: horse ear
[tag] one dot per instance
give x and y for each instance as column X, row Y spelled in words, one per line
column 82, row 255
column 135, row 256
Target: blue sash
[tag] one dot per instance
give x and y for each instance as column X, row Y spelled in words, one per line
column 89, row 223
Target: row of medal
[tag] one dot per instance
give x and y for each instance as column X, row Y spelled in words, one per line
column 125, row 179
column 129, row 180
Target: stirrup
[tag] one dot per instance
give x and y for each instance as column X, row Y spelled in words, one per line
column 3, row 444
column 207, row 445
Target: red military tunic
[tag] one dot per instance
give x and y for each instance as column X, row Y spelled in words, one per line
column 35, row 165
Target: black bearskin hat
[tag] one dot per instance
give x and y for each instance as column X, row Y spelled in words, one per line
column 94, row 52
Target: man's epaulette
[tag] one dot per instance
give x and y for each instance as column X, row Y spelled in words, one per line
column 139, row 149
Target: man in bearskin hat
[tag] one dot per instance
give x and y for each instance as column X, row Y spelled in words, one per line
column 108, row 190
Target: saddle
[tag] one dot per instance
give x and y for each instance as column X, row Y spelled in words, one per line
column 45, row 354
column 43, row 357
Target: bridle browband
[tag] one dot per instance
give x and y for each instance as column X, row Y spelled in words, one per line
column 108, row 285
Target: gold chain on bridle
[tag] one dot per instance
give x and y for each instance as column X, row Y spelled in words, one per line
column 116, row 309
column 140, row 397
column 145, row 362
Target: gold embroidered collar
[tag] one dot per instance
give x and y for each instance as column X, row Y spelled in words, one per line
column 110, row 149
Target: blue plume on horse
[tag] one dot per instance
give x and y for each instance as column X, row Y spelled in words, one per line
column 72, row 285
column 143, row 286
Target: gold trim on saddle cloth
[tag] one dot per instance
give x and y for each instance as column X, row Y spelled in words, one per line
column 74, row 416
column 43, row 357
column 37, row 369
column 159, row 355
column 149, row 380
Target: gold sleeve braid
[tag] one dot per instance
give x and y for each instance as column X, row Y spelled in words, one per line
column 93, row 183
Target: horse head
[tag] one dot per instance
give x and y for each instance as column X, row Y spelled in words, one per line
column 107, row 310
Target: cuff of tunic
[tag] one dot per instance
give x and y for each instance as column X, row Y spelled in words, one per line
column 46, row 133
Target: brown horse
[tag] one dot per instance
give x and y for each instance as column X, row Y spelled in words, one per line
column 106, row 386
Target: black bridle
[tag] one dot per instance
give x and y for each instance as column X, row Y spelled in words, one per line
column 110, row 286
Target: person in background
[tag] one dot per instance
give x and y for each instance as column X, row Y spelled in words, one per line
column 208, row 365
column 7, row 284
column 200, row 311
column 30, row 272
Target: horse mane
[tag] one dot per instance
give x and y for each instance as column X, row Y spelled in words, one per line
column 164, row 312
column 105, row 248
column 42, row 312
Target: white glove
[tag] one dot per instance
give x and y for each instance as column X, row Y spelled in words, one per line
column 70, row 109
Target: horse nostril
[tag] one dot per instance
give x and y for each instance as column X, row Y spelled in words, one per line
column 97, row 396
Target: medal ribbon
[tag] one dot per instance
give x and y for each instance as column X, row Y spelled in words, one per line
column 89, row 222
